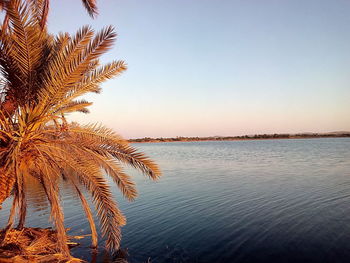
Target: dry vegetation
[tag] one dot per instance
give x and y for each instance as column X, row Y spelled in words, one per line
column 32, row 245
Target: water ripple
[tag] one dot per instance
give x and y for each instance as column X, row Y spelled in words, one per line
column 242, row 201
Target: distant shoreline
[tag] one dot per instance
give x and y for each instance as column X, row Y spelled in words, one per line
column 244, row 137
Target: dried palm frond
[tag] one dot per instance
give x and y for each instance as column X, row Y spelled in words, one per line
column 32, row 245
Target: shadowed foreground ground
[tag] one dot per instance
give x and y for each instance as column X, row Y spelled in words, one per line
column 32, row 245
column 40, row 245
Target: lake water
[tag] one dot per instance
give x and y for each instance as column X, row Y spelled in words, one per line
column 235, row 201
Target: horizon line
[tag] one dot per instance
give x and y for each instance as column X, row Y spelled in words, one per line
column 248, row 135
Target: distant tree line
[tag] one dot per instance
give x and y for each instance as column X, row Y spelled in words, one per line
column 243, row 137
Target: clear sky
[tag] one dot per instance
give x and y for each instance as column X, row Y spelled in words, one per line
column 220, row 67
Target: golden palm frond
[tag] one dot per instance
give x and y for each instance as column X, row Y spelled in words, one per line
column 88, row 215
column 91, row 7
column 41, row 9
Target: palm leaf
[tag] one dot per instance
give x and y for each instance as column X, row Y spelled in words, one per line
column 91, row 7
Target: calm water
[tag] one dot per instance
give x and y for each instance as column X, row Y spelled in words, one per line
column 239, row 201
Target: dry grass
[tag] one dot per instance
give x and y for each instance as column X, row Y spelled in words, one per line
column 32, row 245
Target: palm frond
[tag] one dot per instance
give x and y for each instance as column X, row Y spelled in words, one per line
column 24, row 44
column 91, row 7
column 56, row 211
column 91, row 82
column 88, row 215
column 40, row 9
column 65, row 72
column 74, row 106
column 108, row 142
column 89, row 174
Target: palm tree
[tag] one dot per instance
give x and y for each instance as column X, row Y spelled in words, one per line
column 43, row 76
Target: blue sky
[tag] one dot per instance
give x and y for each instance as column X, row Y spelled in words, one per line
column 205, row 67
